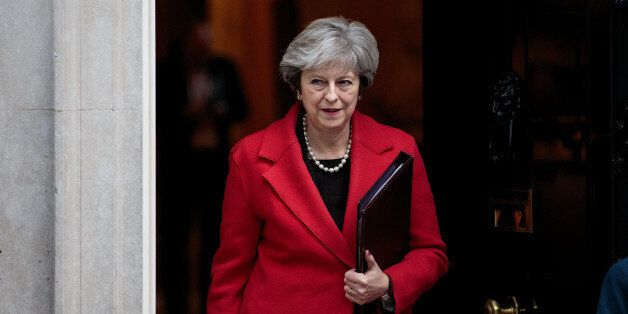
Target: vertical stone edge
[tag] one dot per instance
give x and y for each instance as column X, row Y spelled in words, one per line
column 133, row 267
column 149, row 188
column 67, row 151
column 130, row 211
column 67, row 265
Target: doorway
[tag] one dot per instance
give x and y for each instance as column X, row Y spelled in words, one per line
column 527, row 99
column 248, row 37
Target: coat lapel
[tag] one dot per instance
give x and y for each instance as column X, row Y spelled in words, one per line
column 368, row 163
column 290, row 179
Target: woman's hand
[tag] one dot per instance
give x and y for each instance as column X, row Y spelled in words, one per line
column 364, row 288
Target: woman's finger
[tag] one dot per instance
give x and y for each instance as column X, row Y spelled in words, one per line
column 350, row 293
column 349, row 290
column 355, row 297
column 355, row 278
column 370, row 260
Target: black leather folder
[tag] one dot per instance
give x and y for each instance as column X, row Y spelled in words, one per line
column 384, row 218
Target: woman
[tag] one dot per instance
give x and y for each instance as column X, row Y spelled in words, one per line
column 288, row 232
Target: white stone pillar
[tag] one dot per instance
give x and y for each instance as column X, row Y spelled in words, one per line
column 103, row 73
column 77, row 156
column 26, row 157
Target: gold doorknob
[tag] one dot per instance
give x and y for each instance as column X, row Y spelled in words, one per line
column 511, row 306
column 493, row 307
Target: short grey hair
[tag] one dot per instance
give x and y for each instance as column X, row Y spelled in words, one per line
column 332, row 41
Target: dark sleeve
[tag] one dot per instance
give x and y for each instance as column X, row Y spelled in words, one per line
column 389, row 305
column 614, row 292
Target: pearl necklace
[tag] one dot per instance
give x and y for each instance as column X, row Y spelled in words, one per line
column 343, row 161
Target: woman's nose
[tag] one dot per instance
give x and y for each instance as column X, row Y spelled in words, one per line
column 331, row 95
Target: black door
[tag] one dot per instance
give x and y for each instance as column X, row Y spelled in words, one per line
column 525, row 105
column 619, row 129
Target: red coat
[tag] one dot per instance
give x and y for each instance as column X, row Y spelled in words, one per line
column 280, row 250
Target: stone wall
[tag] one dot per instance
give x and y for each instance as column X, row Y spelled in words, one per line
column 26, row 156
column 74, row 104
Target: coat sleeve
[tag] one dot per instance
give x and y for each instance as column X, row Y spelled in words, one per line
column 239, row 236
column 426, row 261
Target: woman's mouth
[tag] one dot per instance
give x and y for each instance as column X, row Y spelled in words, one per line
column 331, row 111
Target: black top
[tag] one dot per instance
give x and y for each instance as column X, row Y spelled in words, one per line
column 334, row 190
column 333, row 187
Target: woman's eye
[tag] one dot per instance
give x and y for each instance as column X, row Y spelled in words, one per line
column 317, row 82
column 345, row 82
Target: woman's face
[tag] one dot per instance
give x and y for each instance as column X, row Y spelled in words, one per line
column 329, row 97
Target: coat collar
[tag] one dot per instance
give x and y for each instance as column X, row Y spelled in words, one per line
column 293, row 183
column 280, row 135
